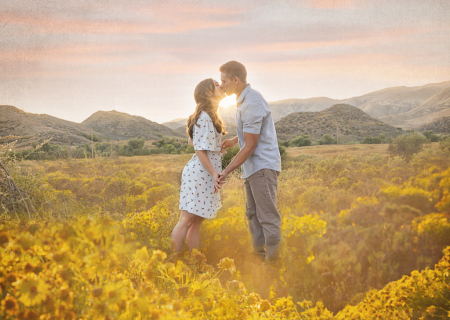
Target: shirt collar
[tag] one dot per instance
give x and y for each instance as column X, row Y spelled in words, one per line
column 241, row 97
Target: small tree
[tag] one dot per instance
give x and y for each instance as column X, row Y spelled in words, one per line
column 327, row 139
column 301, row 141
column 407, row 145
column 135, row 143
column 367, row 140
column 161, row 143
column 445, row 143
column 171, row 149
column 431, row 135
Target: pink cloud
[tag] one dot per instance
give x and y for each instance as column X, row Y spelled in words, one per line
column 155, row 19
column 358, row 40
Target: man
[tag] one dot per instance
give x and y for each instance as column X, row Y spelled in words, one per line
column 259, row 157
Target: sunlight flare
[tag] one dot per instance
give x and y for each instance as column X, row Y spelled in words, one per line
column 228, row 101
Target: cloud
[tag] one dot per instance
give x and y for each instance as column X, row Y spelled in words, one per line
column 165, row 17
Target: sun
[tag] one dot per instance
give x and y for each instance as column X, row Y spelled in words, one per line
column 228, row 101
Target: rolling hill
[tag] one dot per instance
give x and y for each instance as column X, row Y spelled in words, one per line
column 113, row 125
column 33, row 127
column 350, row 122
column 119, row 126
column 440, row 125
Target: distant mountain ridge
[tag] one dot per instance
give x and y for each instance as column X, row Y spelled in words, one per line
column 389, row 105
column 434, row 108
column 175, row 123
column 344, row 121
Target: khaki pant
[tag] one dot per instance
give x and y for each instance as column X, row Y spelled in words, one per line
column 262, row 214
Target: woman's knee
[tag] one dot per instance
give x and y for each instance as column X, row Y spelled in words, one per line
column 198, row 220
column 187, row 218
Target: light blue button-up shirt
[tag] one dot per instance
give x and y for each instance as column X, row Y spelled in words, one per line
column 253, row 116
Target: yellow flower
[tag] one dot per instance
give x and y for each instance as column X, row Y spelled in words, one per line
column 227, row 264
column 431, row 309
column 265, row 305
column 4, row 239
column 32, row 290
column 9, row 305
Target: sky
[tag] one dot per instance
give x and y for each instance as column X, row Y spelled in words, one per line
column 72, row 58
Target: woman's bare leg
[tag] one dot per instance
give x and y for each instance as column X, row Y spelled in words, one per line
column 181, row 229
column 193, row 235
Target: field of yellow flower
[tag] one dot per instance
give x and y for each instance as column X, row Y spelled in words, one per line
column 364, row 237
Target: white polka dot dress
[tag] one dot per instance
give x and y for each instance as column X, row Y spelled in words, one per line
column 197, row 185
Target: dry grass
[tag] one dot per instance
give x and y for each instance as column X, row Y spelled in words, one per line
column 339, row 150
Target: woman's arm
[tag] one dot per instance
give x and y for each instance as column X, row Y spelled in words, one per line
column 203, row 157
column 190, row 142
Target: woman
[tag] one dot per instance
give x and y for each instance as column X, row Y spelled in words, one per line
column 200, row 197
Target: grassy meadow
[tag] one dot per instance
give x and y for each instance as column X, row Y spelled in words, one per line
column 365, row 235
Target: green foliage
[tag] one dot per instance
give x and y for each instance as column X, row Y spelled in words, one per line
column 407, row 145
column 301, row 141
column 171, row 146
column 444, row 143
column 430, row 135
column 135, row 143
column 377, row 140
column 92, row 137
column 327, row 139
column 229, row 156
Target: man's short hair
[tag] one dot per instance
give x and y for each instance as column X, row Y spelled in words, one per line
column 234, row 69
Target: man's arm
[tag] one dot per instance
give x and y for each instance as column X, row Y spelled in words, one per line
column 250, row 141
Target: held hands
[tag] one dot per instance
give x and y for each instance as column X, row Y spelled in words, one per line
column 217, row 184
column 222, row 177
column 219, row 180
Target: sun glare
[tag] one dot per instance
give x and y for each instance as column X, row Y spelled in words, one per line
column 228, row 101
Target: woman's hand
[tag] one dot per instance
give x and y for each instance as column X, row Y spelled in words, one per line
column 229, row 143
column 217, row 184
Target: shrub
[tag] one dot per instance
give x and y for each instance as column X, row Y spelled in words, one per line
column 327, row 139
column 229, row 156
column 430, row 135
column 407, row 145
column 445, row 143
column 135, row 143
column 301, row 141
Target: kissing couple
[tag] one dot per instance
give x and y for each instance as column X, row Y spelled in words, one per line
column 259, row 156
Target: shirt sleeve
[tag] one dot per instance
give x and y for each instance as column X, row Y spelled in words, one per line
column 204, row 135
column 252, row 118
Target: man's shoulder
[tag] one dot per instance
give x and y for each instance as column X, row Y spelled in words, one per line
column 255, row 102
column 254, row 98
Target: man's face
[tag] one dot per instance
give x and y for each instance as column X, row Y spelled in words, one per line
column 228, row 85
